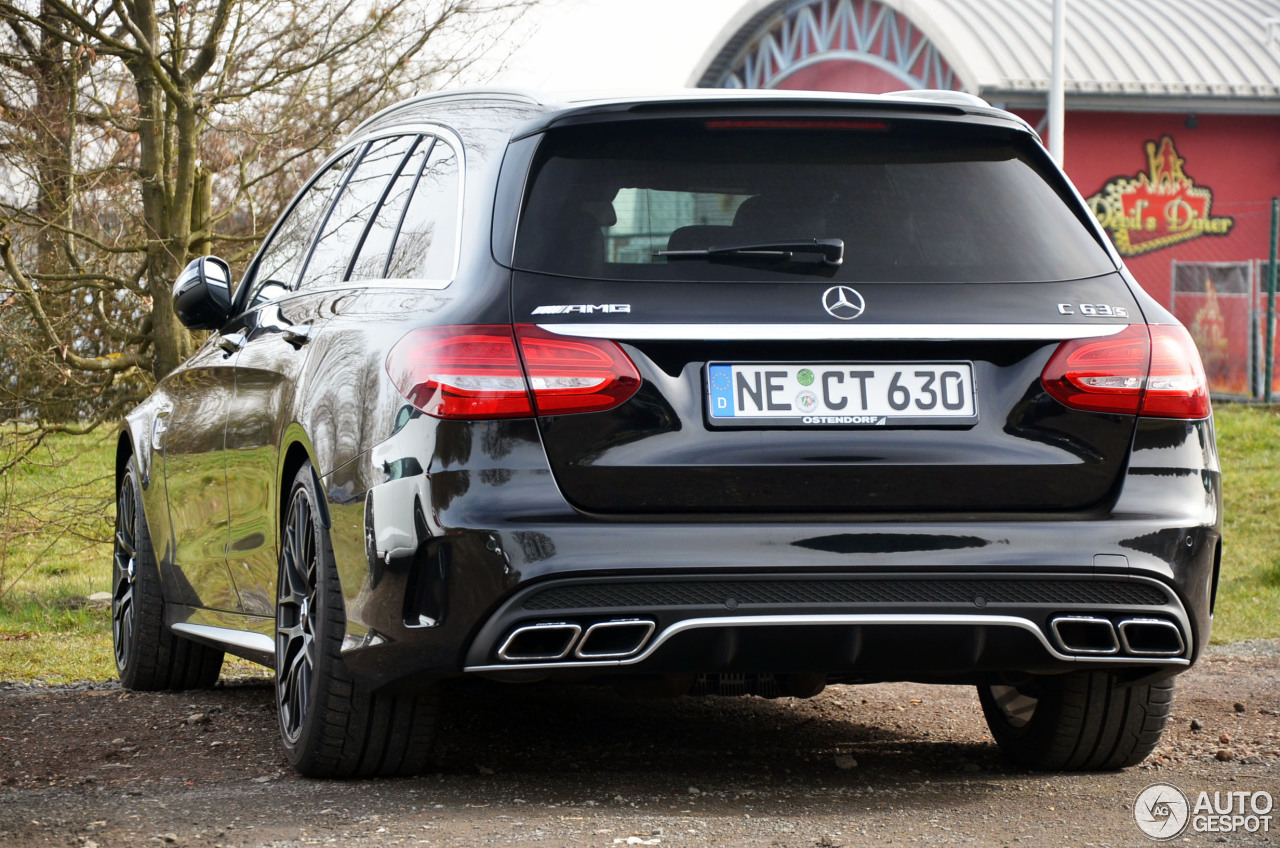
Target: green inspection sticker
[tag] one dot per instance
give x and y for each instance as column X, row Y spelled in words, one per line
column 805, row 377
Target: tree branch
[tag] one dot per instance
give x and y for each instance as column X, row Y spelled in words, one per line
column 208, row 51
column 119, row 362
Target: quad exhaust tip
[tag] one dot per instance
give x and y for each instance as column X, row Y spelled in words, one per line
column 542, row 641
column 1151, row 637
column 1138, row 637
column 1083, row 634
column 548, row 641
column 611, row 640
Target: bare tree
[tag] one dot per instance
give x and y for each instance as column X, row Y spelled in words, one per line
column 136, row 134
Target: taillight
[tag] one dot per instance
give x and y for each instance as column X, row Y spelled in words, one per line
column 1142, row 370
column 1101, row 375
column 478, row 371
column 1177, row 386
column 461, row 372
column 575, row 375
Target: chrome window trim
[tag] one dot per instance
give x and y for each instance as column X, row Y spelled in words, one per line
column 825, row 332
column 360, row 283
column 812, row 620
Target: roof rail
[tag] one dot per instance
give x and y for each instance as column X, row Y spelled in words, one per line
column 520, row 95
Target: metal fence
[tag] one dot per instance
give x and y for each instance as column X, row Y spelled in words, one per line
column 1218, row 289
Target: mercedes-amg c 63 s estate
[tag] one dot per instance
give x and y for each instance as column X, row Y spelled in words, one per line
column 697, row 394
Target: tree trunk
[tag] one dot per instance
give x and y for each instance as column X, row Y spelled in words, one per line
column 166, row 199
column 202, row 211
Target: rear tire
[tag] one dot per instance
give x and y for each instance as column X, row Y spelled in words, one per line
column 332, row 726
column 1083, row 720
column 148, row 655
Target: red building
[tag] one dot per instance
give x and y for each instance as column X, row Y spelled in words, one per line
column 1172, row 126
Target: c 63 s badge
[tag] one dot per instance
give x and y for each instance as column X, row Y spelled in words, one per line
column 1093, row 310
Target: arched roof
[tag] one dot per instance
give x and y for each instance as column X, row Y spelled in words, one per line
column 1206, row 55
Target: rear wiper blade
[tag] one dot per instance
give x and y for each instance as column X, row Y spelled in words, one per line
column 830, row 251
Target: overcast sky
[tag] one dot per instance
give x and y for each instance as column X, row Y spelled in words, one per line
column 586, row 44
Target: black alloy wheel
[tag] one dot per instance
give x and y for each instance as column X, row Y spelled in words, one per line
column 124, row 572
column 296, row 615
column 331, row 725
column 148, row 655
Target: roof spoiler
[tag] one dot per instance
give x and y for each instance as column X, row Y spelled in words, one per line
column 941, row 95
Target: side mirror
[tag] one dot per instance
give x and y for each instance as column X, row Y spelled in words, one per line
column 202, row 294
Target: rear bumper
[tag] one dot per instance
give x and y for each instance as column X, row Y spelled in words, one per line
column 872, row 626
column 493, row 547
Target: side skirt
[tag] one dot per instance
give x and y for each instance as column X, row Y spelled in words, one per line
column 249, row 636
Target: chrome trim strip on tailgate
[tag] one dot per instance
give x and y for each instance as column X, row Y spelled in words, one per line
column 855, row 619
column 824, row 332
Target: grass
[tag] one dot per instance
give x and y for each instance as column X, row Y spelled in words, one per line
column 1248, row 605
column 56, row 519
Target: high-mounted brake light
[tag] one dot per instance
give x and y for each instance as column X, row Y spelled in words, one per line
column 794, row 124
column 487, row 371
column 1143, row 370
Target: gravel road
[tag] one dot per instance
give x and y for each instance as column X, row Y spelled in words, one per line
column 92, row 766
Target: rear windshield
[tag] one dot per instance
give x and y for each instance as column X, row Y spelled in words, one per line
column 910, row 203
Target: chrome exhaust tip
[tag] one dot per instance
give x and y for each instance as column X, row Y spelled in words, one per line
column 1084, row 634
column 611, row 640
column 1151, row 637
column 542, row 641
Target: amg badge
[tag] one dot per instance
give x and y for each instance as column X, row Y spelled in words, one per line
column 581, row 308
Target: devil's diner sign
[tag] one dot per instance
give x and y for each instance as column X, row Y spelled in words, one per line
column 1157, row 209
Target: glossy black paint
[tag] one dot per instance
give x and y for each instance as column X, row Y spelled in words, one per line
column 436, row 526
column 1025, row 453
column 505, row 525
column 188, row 437
column 267, row 369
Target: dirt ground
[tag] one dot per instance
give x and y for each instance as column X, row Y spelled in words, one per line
column 92, row 766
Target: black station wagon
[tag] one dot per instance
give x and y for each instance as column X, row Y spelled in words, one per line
column 707, row 393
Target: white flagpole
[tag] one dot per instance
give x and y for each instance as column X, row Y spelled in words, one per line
column 1057, row 101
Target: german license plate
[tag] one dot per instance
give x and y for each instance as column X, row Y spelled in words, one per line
column 840, row 394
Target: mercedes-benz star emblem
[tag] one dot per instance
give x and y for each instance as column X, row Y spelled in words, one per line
column 843, row 302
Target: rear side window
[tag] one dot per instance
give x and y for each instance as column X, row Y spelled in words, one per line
column 414, row 234
column 912, row 202
column 371, row 263
column 351, row 212
column 426, row 241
